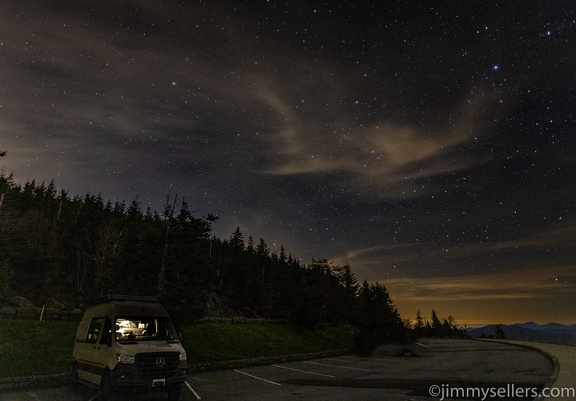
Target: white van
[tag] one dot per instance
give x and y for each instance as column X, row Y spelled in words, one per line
column 128, row 344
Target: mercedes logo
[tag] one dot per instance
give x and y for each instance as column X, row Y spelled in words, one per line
column 160, row 362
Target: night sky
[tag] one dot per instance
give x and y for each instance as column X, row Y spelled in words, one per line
column 429, row 144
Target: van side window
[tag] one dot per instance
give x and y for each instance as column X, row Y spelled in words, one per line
column 94, row 330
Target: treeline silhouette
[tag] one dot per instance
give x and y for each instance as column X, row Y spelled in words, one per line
column 436, row 327
column 62, row 250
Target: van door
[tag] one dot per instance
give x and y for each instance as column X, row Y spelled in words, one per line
column 89, row 352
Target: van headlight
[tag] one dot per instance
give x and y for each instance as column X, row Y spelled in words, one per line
column 183, row 355
column 121, row 358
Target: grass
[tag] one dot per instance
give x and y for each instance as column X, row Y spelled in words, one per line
column 30, row 347
column 220, row 342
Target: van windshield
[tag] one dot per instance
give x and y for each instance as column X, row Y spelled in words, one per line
column 144, row 328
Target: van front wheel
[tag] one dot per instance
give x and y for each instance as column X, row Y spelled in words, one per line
column 107, row 390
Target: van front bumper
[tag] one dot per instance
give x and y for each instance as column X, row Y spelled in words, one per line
column 127, row 377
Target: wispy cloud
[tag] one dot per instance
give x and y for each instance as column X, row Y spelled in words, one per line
column 513, row 284
column 387, row 153
column 385, row 261
column 497, row 297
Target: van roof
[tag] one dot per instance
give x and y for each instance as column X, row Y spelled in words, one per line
column 127, row 308
column 123, row 297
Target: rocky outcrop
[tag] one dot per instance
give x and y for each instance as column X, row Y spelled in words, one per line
column 20, row 307
column 218, row 307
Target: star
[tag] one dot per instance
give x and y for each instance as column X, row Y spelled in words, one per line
column 401, row 134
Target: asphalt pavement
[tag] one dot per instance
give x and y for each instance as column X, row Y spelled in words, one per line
column 562, row 383
column 441, row 370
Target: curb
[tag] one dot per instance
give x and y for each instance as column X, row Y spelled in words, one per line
column 23, row 382
column 243, row 363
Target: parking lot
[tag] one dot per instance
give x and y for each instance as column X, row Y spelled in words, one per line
column 385, row 375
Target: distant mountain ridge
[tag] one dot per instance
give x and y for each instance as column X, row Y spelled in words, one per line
column 532, row 331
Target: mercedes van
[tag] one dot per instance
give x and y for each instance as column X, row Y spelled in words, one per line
column 128, row 344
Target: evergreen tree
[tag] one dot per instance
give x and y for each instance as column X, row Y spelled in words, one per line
column 436, row 325
column 439, row 327
column 237, row 239
column 250, row 246
column 349, row 297
column 262, row 249
column 76, row 249
column 419, row 325
column 380, row 322
column 348, row 280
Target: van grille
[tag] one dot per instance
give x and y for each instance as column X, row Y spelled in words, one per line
column 157, row 362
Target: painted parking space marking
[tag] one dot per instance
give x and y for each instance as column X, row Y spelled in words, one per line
column 351, row 358
column 303, row 371
column 94, row 397
column 344, row 360
column 382, row 362
column 192, row 390
column 256, row 377
column 335, row 366
column 422, row 345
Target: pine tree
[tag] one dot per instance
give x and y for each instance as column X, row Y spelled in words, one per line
column 436, row 325
column 237, row 239
column 380, row 322
column 348, row 280
column 419, row 325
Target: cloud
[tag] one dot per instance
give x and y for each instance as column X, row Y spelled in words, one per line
column 106, row 87
column 512, row 284
column 427, row 260
column 498, row 297
column 557, row 235
column 387, row 154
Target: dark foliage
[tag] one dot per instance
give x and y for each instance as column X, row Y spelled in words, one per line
column 77, row 249
column 436, row 328
column 379, row 321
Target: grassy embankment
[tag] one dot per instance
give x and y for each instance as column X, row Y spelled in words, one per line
column 29, row 347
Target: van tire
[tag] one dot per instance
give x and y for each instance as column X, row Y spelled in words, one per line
column 107, row 390
column 174, row 393
column 74, row 378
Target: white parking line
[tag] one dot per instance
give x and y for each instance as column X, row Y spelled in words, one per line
column 334, row 366
column 193, row 392
column 422, row 345
column 381, row 363
column 94, row 397
column 256, row 377
column 303, row 371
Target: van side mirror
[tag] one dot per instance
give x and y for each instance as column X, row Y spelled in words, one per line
column 180, row 336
